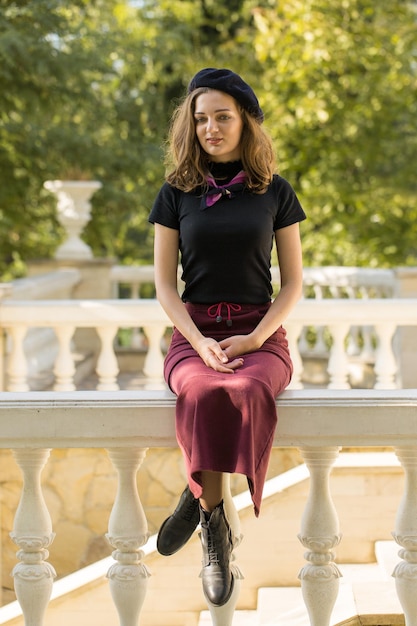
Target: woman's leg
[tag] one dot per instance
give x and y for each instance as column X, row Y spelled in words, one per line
column 212, row 483
column 216, row 541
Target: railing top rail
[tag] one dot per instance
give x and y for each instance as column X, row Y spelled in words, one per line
column 126, row 273
column 327, row 273
column 43, row 285
column 146, row 418
column 352, row 276
column 134, row 312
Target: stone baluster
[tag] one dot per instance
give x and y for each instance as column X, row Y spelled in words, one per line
column 107, row 366
column 320, row 346
column 338, row 361
column 32, row 532
column 17, row 368
column 319, row 534
column 128, row 531
column 368, row 351
column 138, row 338
column 294, row 331
column 154, row 360
column 353, row 341
column 405, row 534
column 2, row 359
column 385, row 362
column 303, row 343
column 223, row 615
column 64, row 369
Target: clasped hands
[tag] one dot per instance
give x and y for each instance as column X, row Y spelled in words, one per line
column 225, row 355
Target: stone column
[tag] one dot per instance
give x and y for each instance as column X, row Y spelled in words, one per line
column 405, row 534
column 128, row 532
column 406, row 339
column 32, row 533
column 319, row 534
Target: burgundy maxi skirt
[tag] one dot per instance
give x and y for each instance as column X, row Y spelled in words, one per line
column 226, row 422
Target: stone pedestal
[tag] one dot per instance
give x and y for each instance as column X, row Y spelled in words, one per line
column 406, row 340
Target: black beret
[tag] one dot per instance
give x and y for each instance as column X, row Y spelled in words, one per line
column 232, row 84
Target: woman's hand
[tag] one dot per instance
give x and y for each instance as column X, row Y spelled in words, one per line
column 215, row 357
column 237, row 345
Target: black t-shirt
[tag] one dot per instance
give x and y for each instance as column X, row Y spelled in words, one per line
column 226, row 248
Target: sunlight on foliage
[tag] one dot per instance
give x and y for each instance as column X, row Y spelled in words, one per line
column 87, row 89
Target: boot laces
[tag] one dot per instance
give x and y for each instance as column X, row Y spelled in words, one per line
column 211, row 549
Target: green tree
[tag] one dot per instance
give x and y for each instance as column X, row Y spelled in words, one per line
column 51, row 114
column 340, row 93
column 90, row 87
column 87, row 89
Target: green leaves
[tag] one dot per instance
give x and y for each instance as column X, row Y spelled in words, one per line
column 344, row 77
column 87, row 89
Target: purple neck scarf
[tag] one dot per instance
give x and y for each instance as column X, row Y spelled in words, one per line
column 215, row 191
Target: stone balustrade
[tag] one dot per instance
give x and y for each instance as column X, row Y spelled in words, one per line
column 385, row 316
column 40, row 344
column 126, row 424
column 330, row 282
column 318, row 282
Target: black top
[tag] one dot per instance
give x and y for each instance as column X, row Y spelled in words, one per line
column 226, row 248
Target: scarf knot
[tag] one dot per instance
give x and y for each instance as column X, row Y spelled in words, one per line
column 229, row 190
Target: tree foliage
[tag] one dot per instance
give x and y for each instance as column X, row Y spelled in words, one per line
column 341, row 90
column 87, row 89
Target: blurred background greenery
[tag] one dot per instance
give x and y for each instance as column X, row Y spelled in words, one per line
column 87, row 89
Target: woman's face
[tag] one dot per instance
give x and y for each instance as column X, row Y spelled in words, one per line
column 218, row 125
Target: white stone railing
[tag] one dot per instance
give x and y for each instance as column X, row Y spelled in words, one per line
column 126, row 424
column 40, row 344
column 318, row 282
column 348, row 282
column 106, row 317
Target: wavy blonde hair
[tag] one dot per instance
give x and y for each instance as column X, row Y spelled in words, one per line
column 188, row 162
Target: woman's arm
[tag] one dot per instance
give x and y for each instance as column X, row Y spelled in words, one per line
column 291, row 269
column 166, row 250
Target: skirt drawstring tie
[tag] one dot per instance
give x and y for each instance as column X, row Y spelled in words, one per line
column 215, row 311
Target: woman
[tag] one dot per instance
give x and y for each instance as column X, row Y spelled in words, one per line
column 221, row 208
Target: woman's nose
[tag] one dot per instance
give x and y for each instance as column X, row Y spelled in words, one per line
column 212, row 125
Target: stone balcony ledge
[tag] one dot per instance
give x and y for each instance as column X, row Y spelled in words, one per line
column 354, row 417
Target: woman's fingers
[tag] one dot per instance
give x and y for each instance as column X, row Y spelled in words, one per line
column 227, row 368
column 215, row 357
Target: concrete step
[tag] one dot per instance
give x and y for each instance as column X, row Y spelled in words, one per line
column 386, row 553
column 365, row 590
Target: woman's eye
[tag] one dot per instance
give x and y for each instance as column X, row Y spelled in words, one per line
column 200, row 120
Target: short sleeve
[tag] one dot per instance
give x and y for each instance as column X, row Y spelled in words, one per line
column 289, row 209
column 165, row 208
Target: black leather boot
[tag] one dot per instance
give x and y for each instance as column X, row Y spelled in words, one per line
column 217, row 543
column 178, row 527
